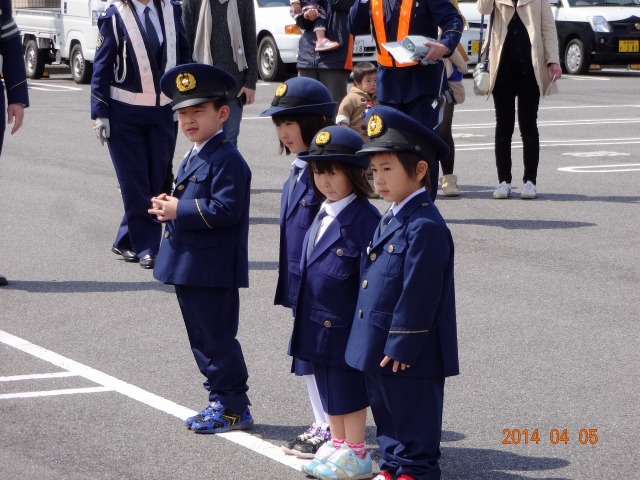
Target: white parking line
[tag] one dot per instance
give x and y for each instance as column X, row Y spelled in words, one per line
column 36, row 376
column 628, row 167
column 53, row 393
column 110, row 383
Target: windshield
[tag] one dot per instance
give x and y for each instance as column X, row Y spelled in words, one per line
column 599, row 3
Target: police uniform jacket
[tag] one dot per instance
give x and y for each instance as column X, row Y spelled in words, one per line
column 337, row 29
column 406, row 304
column 207, row 245
column 13, row 72
column 329, row 287
column 295, row 220
column 121, row 60
column 402, row 85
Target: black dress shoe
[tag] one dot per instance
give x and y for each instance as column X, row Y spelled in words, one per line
column 148, row 261
column 127, row 254
column 3, row 281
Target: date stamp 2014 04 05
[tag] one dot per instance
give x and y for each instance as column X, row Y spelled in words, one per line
column 516, row 436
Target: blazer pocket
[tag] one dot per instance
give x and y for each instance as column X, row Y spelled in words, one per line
column 392, row 258
column 307, row 213
column 331, row 333
column 341, row 262
column 381, row 320
column 198, row 185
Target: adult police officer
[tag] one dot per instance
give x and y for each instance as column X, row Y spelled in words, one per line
column 15, row 80
column 413, row 88
column 139, row 40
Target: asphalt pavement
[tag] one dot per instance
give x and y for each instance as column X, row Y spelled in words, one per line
column 96, row 371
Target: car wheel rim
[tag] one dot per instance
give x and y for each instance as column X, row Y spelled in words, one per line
column 77, row 68
column 31, row 60
column 573, row 58
column 267, row 61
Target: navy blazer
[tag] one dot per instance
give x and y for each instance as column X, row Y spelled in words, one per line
column 329, row 286
column 406, row 305
column 110, row 49
column 295, row 220
column 12, row 62
column 402, row 85
column 207, row 245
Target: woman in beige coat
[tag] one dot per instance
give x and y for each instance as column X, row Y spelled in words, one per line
column 523, row 64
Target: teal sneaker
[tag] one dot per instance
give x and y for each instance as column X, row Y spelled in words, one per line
column 344, row 464
column 322, row 455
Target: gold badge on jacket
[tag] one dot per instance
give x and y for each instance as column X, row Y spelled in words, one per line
column 375, row 126
column 99, row 42
column 185, row 82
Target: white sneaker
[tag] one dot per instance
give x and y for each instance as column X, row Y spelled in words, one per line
column 528, row 191
column 503, row 190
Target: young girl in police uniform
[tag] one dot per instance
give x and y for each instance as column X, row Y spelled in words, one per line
column 330, row 268
column 301, row 106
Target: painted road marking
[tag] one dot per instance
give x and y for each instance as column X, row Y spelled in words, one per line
column 596, row 154
column 53, row 393
column 52, row 87
column 555, row 143
column 110, row 383
column 628, row 167
column 36, row 376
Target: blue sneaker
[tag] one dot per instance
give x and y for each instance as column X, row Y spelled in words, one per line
column 212, row 407
column 225, row 420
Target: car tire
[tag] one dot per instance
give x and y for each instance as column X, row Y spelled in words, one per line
column 575, row 59
column 81, row 70
column 270, row 65
column 33, row 60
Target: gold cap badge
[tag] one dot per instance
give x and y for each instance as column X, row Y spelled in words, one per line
column 323, row 137
column 375, row 125
column 282, row 89
column 185, row 82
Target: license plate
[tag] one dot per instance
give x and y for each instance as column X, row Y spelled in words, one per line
column 475, row 47
column 629, row 46
column 358, row 46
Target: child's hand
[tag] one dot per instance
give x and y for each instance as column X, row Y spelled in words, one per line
column 164, row 207
column 396, row 363
column 296, row 8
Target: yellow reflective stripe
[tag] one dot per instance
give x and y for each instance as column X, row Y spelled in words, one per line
column 200, row 212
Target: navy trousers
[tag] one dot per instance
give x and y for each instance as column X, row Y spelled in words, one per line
column 408, row 416
column 211, row 316
column 141, row 154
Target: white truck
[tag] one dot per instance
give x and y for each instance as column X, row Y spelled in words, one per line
column 64, row 35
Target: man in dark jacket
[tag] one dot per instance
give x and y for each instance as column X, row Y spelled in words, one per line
column 15, row 79
column 331, row 68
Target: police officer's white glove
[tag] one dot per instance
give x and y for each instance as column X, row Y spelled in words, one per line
column 102, row 129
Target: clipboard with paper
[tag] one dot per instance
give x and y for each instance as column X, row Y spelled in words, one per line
column 408, row 50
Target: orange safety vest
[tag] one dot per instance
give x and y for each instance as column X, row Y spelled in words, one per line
column 377, row 12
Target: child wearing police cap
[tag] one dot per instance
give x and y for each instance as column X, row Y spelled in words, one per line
column 327, row 296
column 404, row 332
column 301, row 106
column 205, row 248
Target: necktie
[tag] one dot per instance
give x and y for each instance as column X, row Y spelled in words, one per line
column 386, row 219
column 192, row 154
column 152, row 33
column 293, row 180
column 313, row 231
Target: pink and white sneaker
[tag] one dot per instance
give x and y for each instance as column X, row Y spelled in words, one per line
column 326, row 45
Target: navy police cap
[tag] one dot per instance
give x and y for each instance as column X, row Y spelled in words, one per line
column 194, row 83
column 390, row 130
column 336, row 144
column 302, row 96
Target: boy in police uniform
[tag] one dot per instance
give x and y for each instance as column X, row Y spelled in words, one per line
column 205, row 248
column 404, row 332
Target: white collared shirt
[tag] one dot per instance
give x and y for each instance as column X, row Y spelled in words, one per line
column 153, row 15
column 396, row 208
column 333, row 209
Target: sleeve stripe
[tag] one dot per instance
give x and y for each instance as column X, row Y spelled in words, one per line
column 9, row 30
column 201, row 215
column 404, row 332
